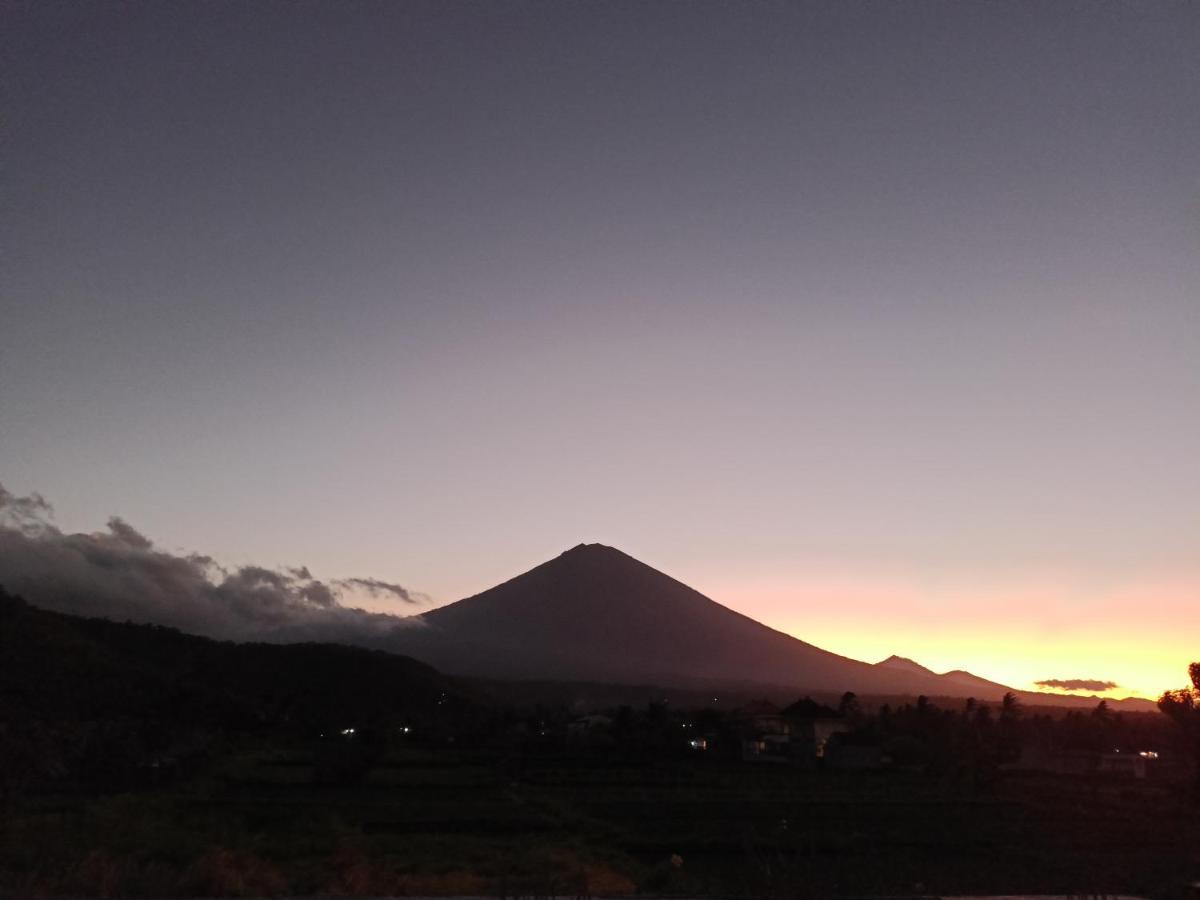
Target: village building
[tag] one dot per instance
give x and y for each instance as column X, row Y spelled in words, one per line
column 797, row 734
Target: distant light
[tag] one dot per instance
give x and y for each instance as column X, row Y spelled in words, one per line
column 1148, row 754
column 406, row 729
column 347, row 731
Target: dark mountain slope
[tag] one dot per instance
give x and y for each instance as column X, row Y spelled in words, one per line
column 980, row 687
column 56, row 667
column 597, row 614
column 904, row 664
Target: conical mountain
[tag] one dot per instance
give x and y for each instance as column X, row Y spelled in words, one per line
column 596, row 614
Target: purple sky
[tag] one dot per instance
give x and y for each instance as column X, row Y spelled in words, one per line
column 862, row 318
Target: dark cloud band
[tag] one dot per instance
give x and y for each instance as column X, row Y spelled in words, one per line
column 119, row 574
column 377, row 588
column 1077, row 684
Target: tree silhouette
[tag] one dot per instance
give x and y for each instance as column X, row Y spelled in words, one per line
column 1010, row 718
column 849, row 706
column 1010, row 706
column 1183, row 708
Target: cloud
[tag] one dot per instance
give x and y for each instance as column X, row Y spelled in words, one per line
column 1077, row 684
column 24, row 513
column 377, row 588
column 119, row 574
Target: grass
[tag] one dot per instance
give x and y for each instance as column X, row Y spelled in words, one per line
column 439, row 822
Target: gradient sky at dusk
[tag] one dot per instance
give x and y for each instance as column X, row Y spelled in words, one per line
column 877, row 322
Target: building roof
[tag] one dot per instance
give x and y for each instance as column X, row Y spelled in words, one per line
column 756, row 708
column 808, row 708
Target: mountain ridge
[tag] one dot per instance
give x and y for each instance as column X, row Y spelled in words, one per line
column 595, row 613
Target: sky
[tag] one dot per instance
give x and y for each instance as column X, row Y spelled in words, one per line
column 877, row 322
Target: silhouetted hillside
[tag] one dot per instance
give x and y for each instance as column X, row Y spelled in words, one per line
column 75, row 689
column 904, row 664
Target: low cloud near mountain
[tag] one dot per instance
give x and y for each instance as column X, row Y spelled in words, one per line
column 1077, row 684
column 119, row 573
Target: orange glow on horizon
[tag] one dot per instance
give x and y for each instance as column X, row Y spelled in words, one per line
column 1137, row 635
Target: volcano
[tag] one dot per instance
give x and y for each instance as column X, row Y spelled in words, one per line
column 596, row 614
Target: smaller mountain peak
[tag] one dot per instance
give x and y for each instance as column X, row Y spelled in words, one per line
column 903, row 662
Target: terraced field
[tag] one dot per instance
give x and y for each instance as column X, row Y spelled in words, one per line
column 429, row 821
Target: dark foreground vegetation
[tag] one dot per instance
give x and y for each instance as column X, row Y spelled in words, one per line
column 137, row 761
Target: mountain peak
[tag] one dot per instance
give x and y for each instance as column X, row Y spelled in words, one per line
column 599, row 558
column 904, row 664
column 590, row 550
